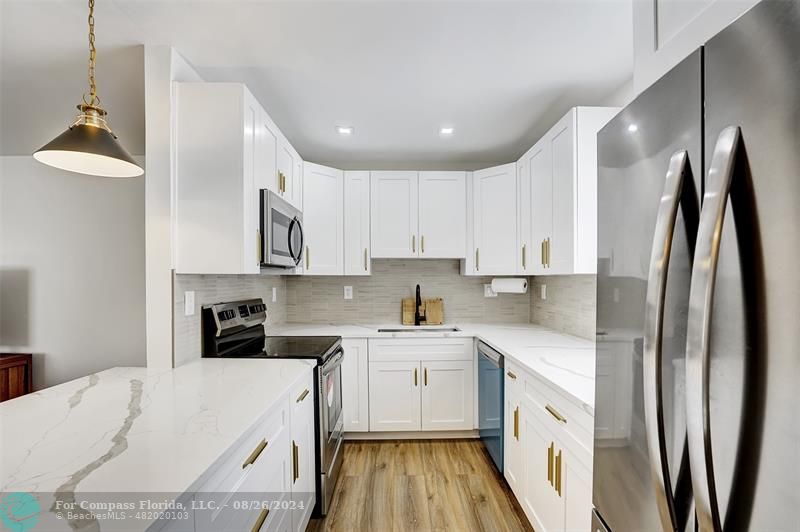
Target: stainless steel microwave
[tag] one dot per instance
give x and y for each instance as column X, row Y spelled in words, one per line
column 281, row 232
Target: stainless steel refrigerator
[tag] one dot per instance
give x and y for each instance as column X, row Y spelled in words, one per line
column 697, row 416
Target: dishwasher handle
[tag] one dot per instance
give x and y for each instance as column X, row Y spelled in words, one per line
column 490, row 354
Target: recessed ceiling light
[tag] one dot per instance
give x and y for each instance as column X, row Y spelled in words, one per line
column 446, row 130
column 633, row 128
column 345, row 130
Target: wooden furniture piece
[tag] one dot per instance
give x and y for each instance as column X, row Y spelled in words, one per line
column 16, row 375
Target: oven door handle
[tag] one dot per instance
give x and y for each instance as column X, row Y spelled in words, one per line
column 334, row 362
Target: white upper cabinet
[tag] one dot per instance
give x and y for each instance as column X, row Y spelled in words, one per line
column 323, row 220
column 267, row 136
column 563, row 173
column 394, row 214
column 216, row 163
column 356, row 223
column 495, row 220
column 289, row 173
column 442, row 215
column 524, row 218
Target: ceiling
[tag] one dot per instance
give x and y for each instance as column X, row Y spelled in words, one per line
column 499, row 72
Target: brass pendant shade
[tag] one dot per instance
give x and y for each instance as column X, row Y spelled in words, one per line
column 89, row 146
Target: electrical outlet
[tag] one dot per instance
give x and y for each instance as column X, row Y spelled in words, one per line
column 188, row 303
column 348, row 292
column 488, row 292
column 274, row 294
column 543, row 291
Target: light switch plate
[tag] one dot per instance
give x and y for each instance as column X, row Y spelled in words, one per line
column 274, row 294
column 543, row 291
column 488, row 292
column 348, row 292
column 188, row 303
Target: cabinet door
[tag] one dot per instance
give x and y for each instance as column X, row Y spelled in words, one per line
column 524, row 217
column 303, row 466
column 541, row 502
column 393, row 216
column 356, row 223
column 447, row 388
column 562, row 242
column 394, row 396
column 541, row 175
column 513, row 465
column 267, row 174
column 323, row 220
column 495, row 218
column 287, row 180
column 442, row 215
column 355, row 386
column 577, row 492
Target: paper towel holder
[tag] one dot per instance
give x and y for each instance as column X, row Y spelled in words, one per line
column 508, row 285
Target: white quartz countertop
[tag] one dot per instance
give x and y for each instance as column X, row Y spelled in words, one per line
column 566, row 361
column 136, row 429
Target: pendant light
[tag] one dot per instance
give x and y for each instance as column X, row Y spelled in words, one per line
column 89, row 146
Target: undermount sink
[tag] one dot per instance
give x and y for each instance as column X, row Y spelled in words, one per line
column 421, row 330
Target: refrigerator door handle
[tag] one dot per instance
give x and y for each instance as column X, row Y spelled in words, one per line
column 698, row 333
column 676, row 190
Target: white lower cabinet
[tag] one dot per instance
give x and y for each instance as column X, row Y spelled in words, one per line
column 303, row 455
column 420, row 384
column 447, row 390
column 547, row 462
column 273, row 465
column 355, row 385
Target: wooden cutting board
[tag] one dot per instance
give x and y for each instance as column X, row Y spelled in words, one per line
column 408, row 311
column 434, row 311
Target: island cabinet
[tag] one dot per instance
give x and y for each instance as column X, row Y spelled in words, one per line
column 420, row 384
column 266, row 481
column 548, row 453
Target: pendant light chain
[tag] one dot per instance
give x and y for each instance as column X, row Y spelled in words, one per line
column 93, row 99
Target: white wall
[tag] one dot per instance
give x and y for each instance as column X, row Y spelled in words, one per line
column 71, row 269
column 163, row 66
column 666, row 31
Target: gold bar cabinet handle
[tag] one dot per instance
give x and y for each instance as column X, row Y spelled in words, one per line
column 255, row 454
column 553, row 412
column 477, row 259
column 413, row 243
column 295, row 462
column 550, row 464
column 547, row 249
column 308, row 258
column 511, row 376
column 365, row 260
column 302, row 396
column 415, row 376
column 524, row 264
column 260, row 521
column 541, row 255
column 516, row 423
column 558, row 473
column 259, row 250
column 425, row 376
column 422, row 243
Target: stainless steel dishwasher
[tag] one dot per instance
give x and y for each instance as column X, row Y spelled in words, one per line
column 490, row 401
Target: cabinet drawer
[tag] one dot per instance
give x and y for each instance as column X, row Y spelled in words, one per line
column 560, row 413
column 514, row 378
column 301, row 395
column 231, row 472
column 404, row 349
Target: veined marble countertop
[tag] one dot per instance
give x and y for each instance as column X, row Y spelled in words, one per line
column 136, row 429
column 566, row 361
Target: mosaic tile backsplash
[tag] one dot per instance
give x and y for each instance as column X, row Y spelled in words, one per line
column 376, row 298
column 570, row 305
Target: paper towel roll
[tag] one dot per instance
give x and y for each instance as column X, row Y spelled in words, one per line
column 510, row 286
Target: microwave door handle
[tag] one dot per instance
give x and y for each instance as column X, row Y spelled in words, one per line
column 677, row 191
column 295, row 224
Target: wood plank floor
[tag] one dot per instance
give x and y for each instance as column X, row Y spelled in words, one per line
column 420, row 485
